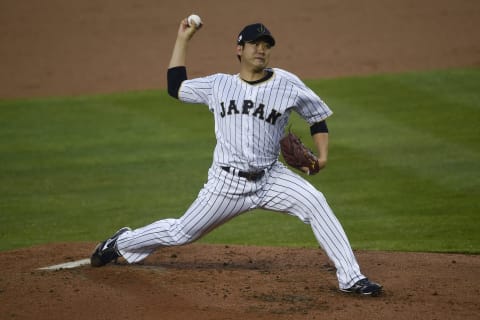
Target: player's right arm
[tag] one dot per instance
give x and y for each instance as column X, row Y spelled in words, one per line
column 177, row 71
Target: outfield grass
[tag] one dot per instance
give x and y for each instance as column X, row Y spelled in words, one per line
column 403, row 171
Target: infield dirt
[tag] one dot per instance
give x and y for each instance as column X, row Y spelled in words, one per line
column 63, row 48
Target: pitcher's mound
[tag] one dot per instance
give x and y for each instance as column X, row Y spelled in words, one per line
column 234, row 282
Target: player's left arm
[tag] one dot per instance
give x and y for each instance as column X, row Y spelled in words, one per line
column 319, row 132
column 321, row 142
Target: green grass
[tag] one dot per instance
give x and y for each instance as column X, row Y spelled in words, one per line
column 403, row 170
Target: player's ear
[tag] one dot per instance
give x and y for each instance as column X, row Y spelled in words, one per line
column 239, row 52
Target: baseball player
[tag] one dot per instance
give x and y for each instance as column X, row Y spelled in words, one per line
column 251, row 110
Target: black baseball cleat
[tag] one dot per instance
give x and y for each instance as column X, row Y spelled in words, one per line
column 106, row 251
column 364, row 287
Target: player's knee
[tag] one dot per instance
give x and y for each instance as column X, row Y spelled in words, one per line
column 181, row 238
column 185, row 240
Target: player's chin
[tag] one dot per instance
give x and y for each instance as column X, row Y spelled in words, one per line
column 262, row 63
column 259, row 65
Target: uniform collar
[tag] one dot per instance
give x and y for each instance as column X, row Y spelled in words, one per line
column 268, row 75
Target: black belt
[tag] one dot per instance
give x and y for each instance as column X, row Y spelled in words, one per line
column 250, row 176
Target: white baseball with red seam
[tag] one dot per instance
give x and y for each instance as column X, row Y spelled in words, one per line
column 195, row 20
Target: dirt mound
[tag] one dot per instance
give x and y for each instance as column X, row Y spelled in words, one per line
column 234, row 282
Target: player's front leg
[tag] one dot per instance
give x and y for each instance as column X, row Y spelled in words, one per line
column 289, row 192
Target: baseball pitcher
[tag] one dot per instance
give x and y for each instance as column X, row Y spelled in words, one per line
column 251, row 110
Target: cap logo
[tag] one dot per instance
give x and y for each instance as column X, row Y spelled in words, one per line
column 261, row 29
column 240, row 38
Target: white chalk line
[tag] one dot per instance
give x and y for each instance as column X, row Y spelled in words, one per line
column 84, row 262
column 67, row 265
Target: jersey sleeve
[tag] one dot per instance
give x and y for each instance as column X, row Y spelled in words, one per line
column 197, row 90
column 310, row 106
column 307, row 103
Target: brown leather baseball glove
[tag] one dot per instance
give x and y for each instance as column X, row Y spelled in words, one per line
column 297, row 155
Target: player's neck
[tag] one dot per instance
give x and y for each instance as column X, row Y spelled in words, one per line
column 253, row 75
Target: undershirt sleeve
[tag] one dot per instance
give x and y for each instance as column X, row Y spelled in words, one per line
column 175, row 77
column 319, row 127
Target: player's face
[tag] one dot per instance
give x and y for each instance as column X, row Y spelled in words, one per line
column 255, row 55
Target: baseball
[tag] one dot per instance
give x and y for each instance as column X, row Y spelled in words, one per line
column 195, row 20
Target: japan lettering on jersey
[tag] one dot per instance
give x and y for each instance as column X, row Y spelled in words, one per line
column 250, row 119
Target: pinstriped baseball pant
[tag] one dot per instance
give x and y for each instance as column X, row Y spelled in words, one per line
column 226, row 196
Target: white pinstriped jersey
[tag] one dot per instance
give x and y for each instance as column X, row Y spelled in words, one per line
column 249, row 122
column 250, row 119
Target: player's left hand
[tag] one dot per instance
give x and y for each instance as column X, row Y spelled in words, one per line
column 321, row 165
column 297, row 155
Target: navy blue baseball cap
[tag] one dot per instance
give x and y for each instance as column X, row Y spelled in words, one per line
column 254, row 32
